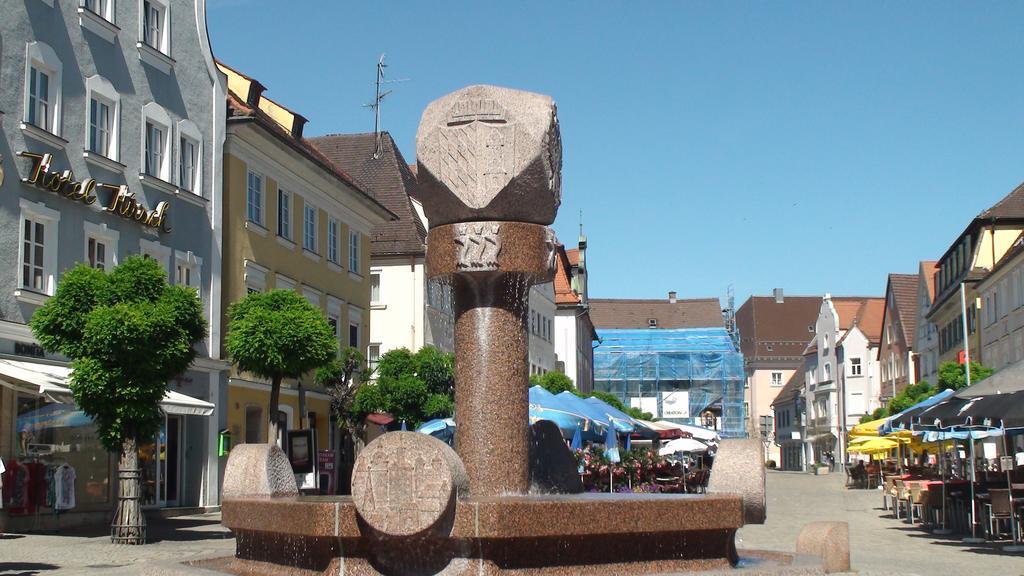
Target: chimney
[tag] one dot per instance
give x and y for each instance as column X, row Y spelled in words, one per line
column 779, row 297
column 672, row 297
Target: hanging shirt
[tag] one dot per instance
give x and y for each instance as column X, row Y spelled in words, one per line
column 65, row 489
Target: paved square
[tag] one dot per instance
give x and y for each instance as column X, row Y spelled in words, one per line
column 879, row 543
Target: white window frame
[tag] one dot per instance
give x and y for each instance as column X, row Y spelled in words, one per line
column 41, row 56
column 163, row 43
column 189, row 131
column 285, row 215
column 353, row 251
column 102, row 90
column 250, row 193
column 856, row 367
column 39, row 212
column 98, row 18
column 372, row 356
column 312, row 295
column 355, row 319
column 333, row 240
column 375, row 275
column 334, row 306
column 310, row 236
column 106, row 8
column 775, row 383
column 282, row 282
column 108, row 236
column 194, row 264
column 153, row 113
column 254, row 276
column 158, row 252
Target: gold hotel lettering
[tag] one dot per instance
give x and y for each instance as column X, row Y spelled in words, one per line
column 122, row 202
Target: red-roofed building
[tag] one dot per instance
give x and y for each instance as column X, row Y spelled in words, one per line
column 899, row 328
column 926, row 342
column 574, row 331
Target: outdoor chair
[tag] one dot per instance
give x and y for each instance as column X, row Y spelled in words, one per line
column 933, row 506
column 899, row 494
column 998, row 511
column 915, row 501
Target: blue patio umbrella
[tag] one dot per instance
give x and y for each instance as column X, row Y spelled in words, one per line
column 611, row 451
column 622, row 421
column 404, row 429
column 53, row 416
column 546, row 406
column 577, row 440
column 441, row 428
column 904, row 419
column 629, row 443
column 576, row 404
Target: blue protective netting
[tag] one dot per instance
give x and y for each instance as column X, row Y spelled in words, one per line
column 641, row 366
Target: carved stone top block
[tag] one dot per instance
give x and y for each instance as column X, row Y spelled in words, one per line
column 490, row 153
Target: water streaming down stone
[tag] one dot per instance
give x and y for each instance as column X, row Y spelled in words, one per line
column 489, row 175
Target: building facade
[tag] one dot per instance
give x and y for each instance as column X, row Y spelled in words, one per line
column 574, row 332
column 926, row 342
column 899, row 328
column 112, row 131
column 789, row 423
column 774, row 330
column 841, row 373
column 293, row 221
column 541, row 325
column 1002, row 311
column 406, row 310
column 970, row 258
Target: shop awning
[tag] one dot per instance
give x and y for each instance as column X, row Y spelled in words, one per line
column 50, row 381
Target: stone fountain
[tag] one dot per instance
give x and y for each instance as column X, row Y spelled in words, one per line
column 490, row 177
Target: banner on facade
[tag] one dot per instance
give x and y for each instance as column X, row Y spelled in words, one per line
column 675, row 404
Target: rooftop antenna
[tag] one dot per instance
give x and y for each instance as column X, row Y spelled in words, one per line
column 378, row 138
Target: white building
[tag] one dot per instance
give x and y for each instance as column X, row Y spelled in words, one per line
column 574, row 331
column 541, row 325
column 841, row 372
column 926, row 343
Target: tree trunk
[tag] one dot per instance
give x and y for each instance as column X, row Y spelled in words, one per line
column 275, row 400
column 129, row 524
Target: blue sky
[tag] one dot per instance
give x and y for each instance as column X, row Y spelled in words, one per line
column 813, row 146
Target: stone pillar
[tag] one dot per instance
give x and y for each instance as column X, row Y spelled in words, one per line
column 489, row 176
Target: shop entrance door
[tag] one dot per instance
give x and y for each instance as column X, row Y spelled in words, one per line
column 170, row 462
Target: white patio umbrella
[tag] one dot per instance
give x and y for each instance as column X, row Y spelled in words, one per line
column 683, row 445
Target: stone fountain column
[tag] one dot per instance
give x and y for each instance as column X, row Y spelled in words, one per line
column 489, row 176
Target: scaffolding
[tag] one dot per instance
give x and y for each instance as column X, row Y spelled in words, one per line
column 687, row 375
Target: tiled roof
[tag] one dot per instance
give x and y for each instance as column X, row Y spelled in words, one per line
column 904, row 292
column 389, row 180
column 791, row 390
column 1011, row 206
column 574, row 256
column 564, row 294
column 695, row 313
column 865, row 313
column 928, row 270
column 776, row 330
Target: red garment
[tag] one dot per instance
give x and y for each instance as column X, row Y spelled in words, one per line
column 24, row 487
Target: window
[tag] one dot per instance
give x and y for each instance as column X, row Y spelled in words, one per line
column 254, row 198
column 38, row 247
column 828, row 371
column 334, row 318
column 187, row 164
column 353, row 252
column 99, row 126
column 95, row 6
column 188, row 267
column 100, row 246
column 353, row 335
column 332, row 240
column 284, row 213
column 652, row 322
column 355, row 320
column 855, row 367
column 156, row 142
column 312, row 295
column 154, row 25
column 158, row 252
column 776, row 378
column 285, row 283
column 374, row 286
column 373, row 357
column 43, row 87
column 309, row 227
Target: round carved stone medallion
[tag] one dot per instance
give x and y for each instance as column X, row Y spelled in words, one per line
column 405, row 483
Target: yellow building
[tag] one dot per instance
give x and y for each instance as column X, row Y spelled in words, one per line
column 291, row 220
column 967, row 261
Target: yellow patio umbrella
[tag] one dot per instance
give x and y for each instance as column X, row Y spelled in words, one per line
column 868, row 429
column 874, row 446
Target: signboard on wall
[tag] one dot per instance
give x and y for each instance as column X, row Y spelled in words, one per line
column 675, row 404
column 647, row 404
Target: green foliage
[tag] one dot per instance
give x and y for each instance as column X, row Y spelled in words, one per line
column 278, row 334
column 554, row 382
column 951, row 375
column 338, row 377
column 880, row 412
column 411, row 387
column 127, row 333
column 910, row 395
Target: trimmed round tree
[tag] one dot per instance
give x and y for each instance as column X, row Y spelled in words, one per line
column 127, row 333
column 277, row 335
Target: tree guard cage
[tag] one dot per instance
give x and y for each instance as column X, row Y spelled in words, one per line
column 676, row 374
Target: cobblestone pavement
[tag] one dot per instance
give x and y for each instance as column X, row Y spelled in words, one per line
column 879, row 543
column 74, row 553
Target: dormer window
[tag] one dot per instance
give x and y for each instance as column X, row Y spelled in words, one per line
column 652, row 322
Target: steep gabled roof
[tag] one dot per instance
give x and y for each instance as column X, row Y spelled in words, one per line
column 863, row 312
column 904, row 292
column 776, row 330
column 695, row 313
column 927, row 270
column 389, row 180
column 564, row 294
